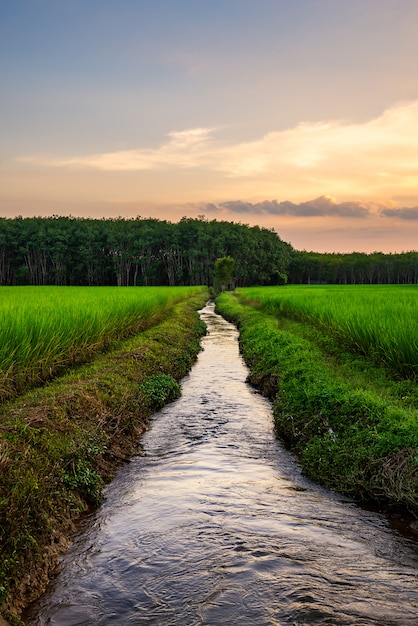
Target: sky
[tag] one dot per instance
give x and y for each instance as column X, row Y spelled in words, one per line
column 295, row 115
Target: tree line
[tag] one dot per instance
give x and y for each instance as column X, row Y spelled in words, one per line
column 147, row 251
column 355, row 268
column 141, row 251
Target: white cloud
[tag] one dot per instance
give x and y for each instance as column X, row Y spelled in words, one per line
column 183, row 149
column 377, row 158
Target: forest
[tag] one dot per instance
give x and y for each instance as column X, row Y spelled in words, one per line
column 147, row 251
column 129, row 252
column 356, row 268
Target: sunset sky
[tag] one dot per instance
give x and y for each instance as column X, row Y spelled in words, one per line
column 297, row 115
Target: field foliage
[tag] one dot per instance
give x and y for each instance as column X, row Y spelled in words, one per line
column 43, row 330
column 378, row 321
column 60, row 442
column 353, row 426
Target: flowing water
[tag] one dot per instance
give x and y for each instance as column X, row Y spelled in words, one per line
column 214, row 524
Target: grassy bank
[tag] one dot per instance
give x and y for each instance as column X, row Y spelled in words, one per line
column 353, row 426
column 60, row 443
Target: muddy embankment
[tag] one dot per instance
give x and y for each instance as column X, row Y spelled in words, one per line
column 60, row 444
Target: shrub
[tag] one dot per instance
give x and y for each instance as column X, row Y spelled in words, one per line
column 159, row 390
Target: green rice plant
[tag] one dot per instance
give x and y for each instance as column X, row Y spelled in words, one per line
column 44, row 330
column 378, row 321
column 347, row 434
column 61, row 442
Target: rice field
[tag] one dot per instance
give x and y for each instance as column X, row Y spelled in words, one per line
column 378, row 321
column 43, row 330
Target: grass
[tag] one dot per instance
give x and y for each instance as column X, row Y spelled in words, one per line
column 352, row 424
column 60, row 443
column 44, row 330
column 377, row 321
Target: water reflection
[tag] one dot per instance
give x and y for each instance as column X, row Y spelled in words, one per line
column 215, row 524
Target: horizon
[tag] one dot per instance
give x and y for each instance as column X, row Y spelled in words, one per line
column 301, row 117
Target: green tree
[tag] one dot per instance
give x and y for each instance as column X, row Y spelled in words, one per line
column 223, row 273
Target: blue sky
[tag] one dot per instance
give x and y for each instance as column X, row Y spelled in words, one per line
column 300, row 116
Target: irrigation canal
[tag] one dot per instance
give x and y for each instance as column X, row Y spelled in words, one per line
column 215, row 524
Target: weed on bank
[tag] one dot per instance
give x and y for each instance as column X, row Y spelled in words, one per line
column 330, row 407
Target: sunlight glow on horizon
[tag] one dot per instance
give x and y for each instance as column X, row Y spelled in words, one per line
column 375, row 160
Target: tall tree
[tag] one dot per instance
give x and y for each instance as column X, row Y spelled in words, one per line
column 223, row 273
